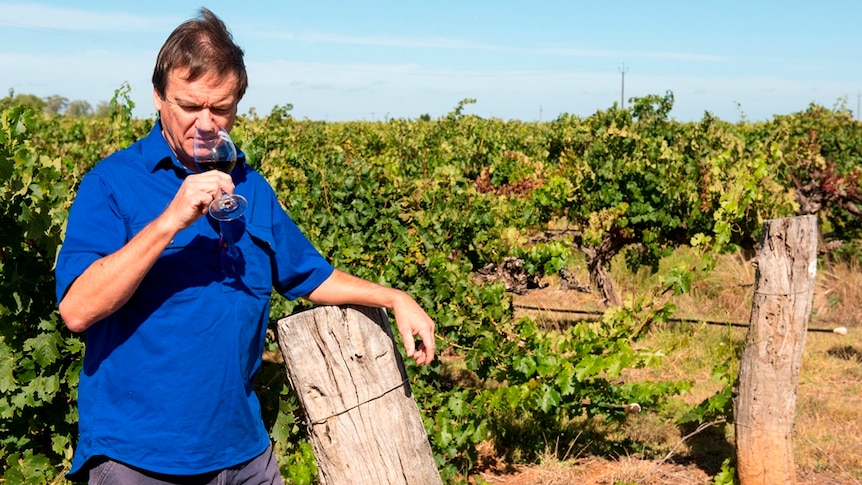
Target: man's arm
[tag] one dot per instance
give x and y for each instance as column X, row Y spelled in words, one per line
column 343, row 289
column 111, row 281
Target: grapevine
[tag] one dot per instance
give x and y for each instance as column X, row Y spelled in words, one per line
column 423, row 205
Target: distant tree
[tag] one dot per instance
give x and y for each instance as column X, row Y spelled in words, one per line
column 55, row 104
column 79, row 109
column 425, row 117
column 29, row 100
column 103, row 109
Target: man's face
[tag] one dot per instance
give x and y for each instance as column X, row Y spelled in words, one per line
column 206, row 103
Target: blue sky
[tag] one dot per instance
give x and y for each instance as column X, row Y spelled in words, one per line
column 528, row 60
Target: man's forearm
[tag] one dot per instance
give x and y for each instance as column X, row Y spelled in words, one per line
column 342, row 288
column 110, row 281
column 412, row 321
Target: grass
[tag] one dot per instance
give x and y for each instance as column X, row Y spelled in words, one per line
column 827, row 435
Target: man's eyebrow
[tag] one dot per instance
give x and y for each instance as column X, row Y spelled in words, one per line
column 183, row 103
column 192, row 105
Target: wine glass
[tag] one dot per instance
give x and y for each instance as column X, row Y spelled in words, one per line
column 214, row 150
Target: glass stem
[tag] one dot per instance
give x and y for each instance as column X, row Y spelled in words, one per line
column 227, row 240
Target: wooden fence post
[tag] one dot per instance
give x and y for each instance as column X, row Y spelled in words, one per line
column 765, row 404
column 363, row 423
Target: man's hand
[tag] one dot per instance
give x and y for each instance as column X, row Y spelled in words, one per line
column 194, row 197
column 412, row 321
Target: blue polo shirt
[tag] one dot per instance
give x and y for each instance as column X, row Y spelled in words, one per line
column 167, row 380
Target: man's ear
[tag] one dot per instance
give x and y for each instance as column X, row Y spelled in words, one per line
column 157, row 100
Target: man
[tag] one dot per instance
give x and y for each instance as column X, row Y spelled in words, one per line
column 174, row 340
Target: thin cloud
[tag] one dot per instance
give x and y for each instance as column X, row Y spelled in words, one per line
column 443, row 43
column 39, row 17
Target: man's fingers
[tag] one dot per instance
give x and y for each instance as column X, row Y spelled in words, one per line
column 424, row 351
column 410, row 347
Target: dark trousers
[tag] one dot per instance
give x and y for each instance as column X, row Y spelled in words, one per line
column 262, row 470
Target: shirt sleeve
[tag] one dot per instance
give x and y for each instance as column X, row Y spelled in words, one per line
column 298, row 267
column 94, row 229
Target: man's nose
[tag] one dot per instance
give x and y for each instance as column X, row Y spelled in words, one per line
column 206, row 122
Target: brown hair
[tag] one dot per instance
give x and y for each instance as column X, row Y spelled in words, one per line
column 202, row 45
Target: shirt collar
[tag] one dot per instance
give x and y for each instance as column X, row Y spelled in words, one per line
column 156, row 149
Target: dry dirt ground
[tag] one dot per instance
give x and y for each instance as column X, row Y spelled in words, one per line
column 595, row 471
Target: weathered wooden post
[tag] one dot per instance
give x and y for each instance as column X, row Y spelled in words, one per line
column 364, row 425
column 765, row 404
